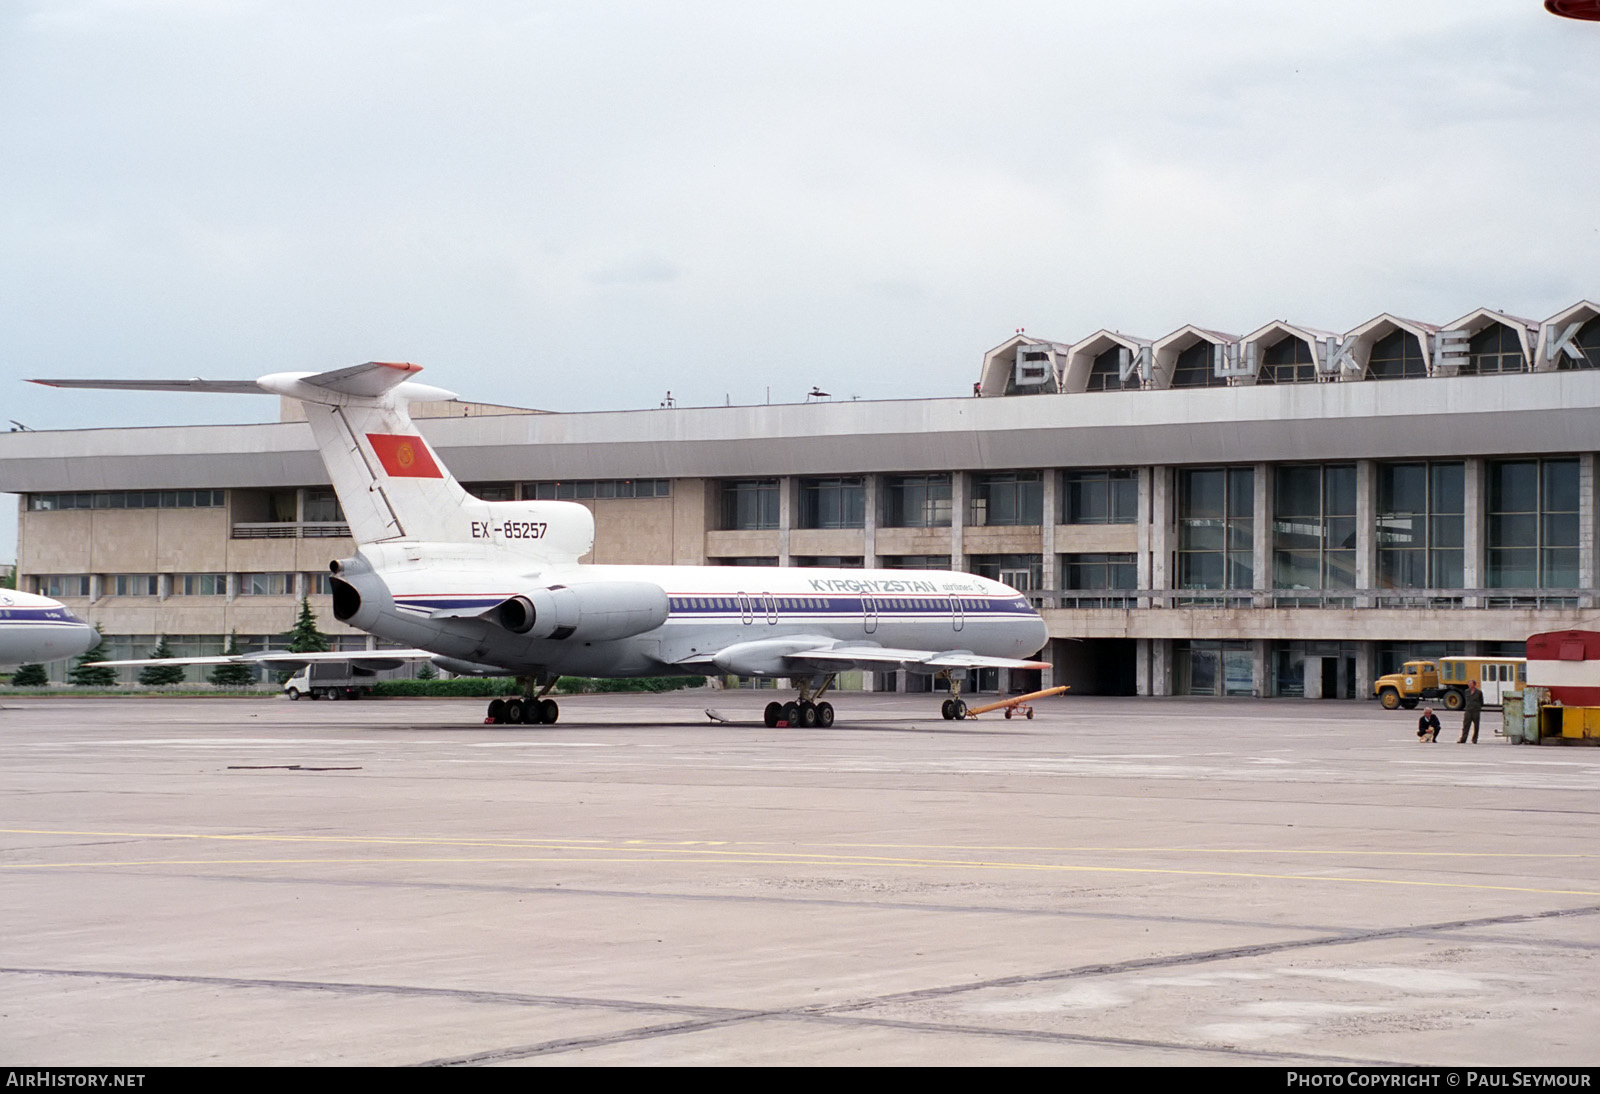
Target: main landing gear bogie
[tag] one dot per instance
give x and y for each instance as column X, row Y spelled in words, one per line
column 524, row 710
column 954, row 710
column 801, row 713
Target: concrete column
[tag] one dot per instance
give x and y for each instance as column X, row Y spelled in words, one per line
column 1586, row 529
column 163, row 586
column 1260, row 668
column 1050, row 568
column 1261, row 554
column 1161, row 666
column 786, row 507
column 1366, row 529
column 1473, row 573
column 1366, row 669
column 869, row 525
column 1141, row 671
column 958, row 520
column 97, row 587
column 1156, row 536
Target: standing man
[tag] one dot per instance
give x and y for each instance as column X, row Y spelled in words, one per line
column 1471, row 712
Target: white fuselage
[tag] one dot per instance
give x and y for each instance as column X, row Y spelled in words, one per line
column 708, row 609
column 35, row 629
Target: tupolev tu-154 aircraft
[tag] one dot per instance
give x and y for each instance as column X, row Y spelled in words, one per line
column 35, row 628
column 495, row 587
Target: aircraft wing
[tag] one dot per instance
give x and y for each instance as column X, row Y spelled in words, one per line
column 367, row 659
column 916, row 660
column 798, row 653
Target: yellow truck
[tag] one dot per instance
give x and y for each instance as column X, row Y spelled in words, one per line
column 1446, row 681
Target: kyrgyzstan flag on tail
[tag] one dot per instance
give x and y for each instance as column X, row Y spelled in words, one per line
column 404, row 457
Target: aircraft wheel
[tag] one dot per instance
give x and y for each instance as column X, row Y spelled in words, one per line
column 958, row 710
column 791, row 714
column 549, row 711
column 497, row 711
column 773, row 715
column 532, row 712
column 1390, row 699
column 293, row 694
column 944, row 710
column 824, row 715
column 1454, row 700
column 515, row 712
column 808, row 715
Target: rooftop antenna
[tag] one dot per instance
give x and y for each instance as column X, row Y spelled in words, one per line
column 669, row 402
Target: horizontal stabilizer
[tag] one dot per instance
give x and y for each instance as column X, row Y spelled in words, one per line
column 215, row 387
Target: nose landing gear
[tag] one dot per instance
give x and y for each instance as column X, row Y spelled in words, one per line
column 953, row 709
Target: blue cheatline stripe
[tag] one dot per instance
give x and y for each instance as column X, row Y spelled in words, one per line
column 760, row 605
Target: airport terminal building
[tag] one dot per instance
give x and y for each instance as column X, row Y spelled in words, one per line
column 1287, row 512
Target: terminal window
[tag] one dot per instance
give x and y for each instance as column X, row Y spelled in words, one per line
column 916, row 501
column 1108, row 496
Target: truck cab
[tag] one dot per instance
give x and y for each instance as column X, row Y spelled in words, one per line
column 1416, row 680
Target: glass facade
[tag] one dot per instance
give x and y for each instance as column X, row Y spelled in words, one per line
column 1213, row 667
column 1397, row 356
column 1494, row 349
column 1314, row 526
column 833, row 503
column 1421, row 516
column 1099, row 573
column 916, row 501
column 1288, row 361
column 914, row 562
column 266, row 584
column 1587, row 343
column 1216, row 527
column 199, row 584
column 584, row 489
column 1018, row 571
column 1531, row 533
column 1105, row 374
column 1195, row 368
column 749, row 504
column 1008, row 498
column 129, row 499
column 1107, row 496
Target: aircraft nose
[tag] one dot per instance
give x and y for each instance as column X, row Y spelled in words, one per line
column 85, row 639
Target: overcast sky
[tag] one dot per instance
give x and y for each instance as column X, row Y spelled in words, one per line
column 583, row 205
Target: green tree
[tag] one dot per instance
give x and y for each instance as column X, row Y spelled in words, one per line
column 29, row 676
column 233, row 675
column 8, row 578
column 304, row 636
column 84, row 675
column 161, row 676
column 427, row 672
